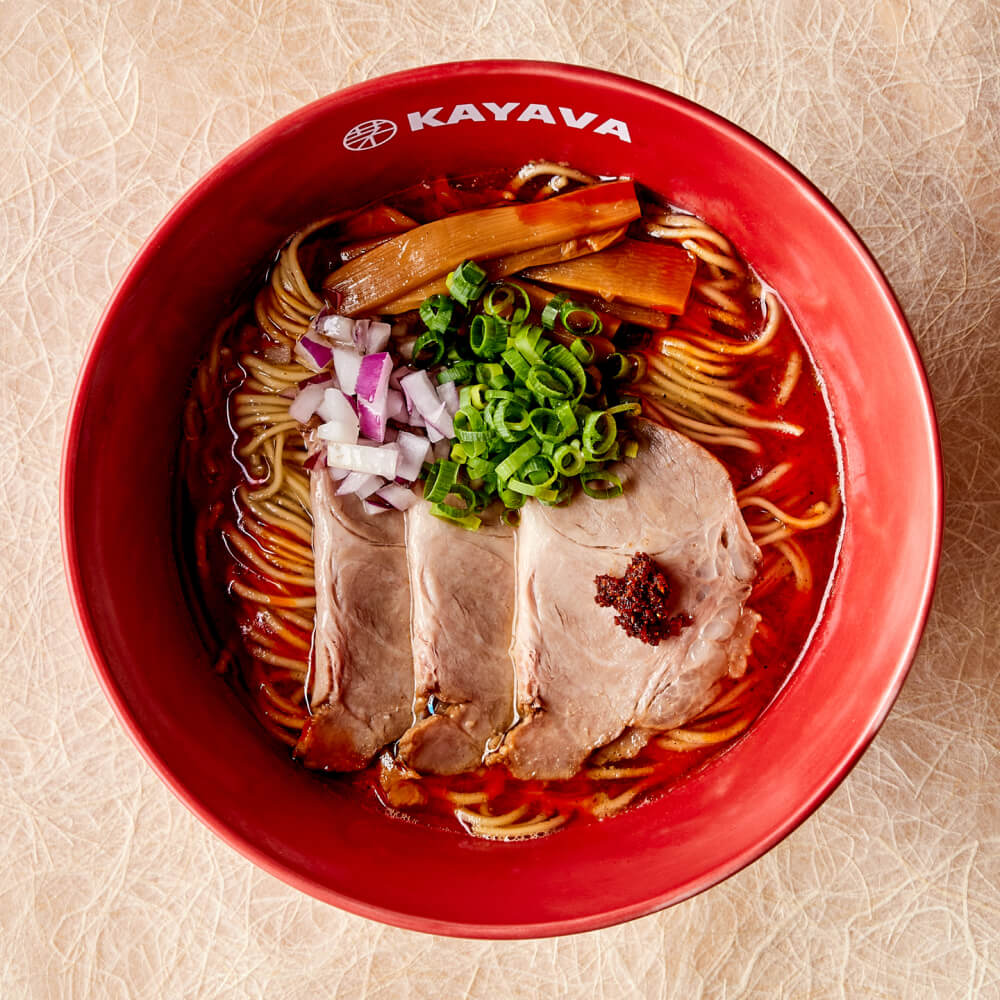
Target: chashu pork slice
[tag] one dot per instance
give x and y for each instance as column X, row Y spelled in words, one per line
column 582, row 682
column 361, row 676
column 462, row 606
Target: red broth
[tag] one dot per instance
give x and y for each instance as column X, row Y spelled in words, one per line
column 213, row 473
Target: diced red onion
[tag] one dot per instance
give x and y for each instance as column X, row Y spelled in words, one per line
column 442, row 449
column 337, row 474
column 377, row 461
column 401, row 372
column 361, row 335
column 338, row 329
column 347, row 363
column 335, row 404
column 360, row 484
column 448, row 394
column 413, row 452
column 372, row 421
column 441, row 421
column 340, row 423
column 419, row 392
column 373, row 508
column 306, row 403
column 338, row 432
column 398, row 496
column 395, row 406
column 373, row 378
column 323, row 378
column 315, row 354
column 422, row 396
column 378, row 337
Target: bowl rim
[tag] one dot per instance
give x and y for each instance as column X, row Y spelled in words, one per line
column 69, row 473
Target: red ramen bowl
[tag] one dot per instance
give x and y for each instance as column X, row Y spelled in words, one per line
column 119, row 474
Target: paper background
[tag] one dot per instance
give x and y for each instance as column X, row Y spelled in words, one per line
column 108, row 112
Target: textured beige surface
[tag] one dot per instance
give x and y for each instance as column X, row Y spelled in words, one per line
column 108, row 887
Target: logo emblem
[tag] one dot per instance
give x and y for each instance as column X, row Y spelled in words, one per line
column 368, row 135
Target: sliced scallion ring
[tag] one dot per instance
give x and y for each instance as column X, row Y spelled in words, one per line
column 583, row 351
column 581, row 320
column 516, row 459
column 599, row 433
column 486, row 336
column 440, row 313
column 552, row 311
column 466, row 282
column 428, row 349
column 568, row 459
column 440, row 479
column 507, row 302
column 612, row 489
column 549, row 382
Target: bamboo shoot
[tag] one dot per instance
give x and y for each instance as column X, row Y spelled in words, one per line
column 502, row 267
column 430, row 251
column 649, row 275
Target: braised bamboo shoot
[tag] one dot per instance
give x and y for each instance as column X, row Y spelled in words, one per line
column 649, row 275
column 430, row 251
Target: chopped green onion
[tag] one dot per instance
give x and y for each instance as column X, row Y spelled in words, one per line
column 466, row 282
column 549, row 382
column 543, row 493
column 532, row 418
column 479, row 468
column 516, row 459
column 470, row 429
column 552, row 311
column 599, row 433
column 454, row 514
column 630, row 409
column 486, row 336
column 529, row 343
column 564, row 358
column 583, row 351
column 567, row 418
column 507, row 302
column 509, row 418
column 546, row 424
column 516, row 363
column 466, row 494
column 568, row 459
column 472, row 395
column 492, row 374
column 613, row 489
column 440, row 314
column 617, row 366
column 564, row 490
column 460, row 371
column 538, row 470
column 440, row 480
column 429, row 341
column 580, row 320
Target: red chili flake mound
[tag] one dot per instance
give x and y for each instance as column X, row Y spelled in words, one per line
column 641, row 598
